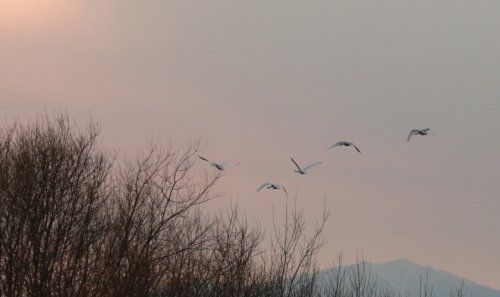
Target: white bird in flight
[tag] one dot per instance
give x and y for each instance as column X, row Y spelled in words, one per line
column 219, row 166
column 419, row 132
column 272, row 186
column 303, row 170
column 345, row 143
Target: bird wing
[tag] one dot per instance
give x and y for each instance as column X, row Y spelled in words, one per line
column 429, row 130
column 263, row 186
column 222, row 165
column 356, row 148
column 286, row 193
column 412, row 132
column 298, row 167
column 204, row 159
column 337, row 144
column 312, row 165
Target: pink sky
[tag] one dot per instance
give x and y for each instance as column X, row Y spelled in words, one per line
column 260, row 81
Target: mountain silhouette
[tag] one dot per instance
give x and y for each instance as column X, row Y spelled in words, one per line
column 405, row 277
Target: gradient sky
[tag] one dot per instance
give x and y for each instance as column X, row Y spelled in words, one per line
column 259, row 81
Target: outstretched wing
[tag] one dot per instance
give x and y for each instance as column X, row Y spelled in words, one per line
column 429, row 130
column 298, row 167
column 263, row 186
column 337, row 144
column 412, row 132
column 204, row 159
column 312, row 165
column 356, row 148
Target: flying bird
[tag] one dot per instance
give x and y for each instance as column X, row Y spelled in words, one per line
column 303, row 170
column 345, row 143
column 272, row 186
column 219, row 166
column 419, row 132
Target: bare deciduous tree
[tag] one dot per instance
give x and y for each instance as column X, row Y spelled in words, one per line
column 151, row 213
column 460, row 290
column 293, row 267
column 53, row 189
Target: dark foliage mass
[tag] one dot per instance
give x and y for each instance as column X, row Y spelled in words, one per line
column 75, row 222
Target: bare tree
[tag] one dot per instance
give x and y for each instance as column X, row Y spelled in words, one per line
column 222, row 265
column 460, row 290
column 53, row 189
column 335, row 282
column 293, row 267
column 152, row 209
column 355, row 280
column 361, row 281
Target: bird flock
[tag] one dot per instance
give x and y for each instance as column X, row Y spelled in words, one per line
column 303, row 169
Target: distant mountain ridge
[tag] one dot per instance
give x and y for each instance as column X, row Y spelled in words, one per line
column 403, row 276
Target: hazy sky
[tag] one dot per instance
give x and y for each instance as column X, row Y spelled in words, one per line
column 260, row 81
